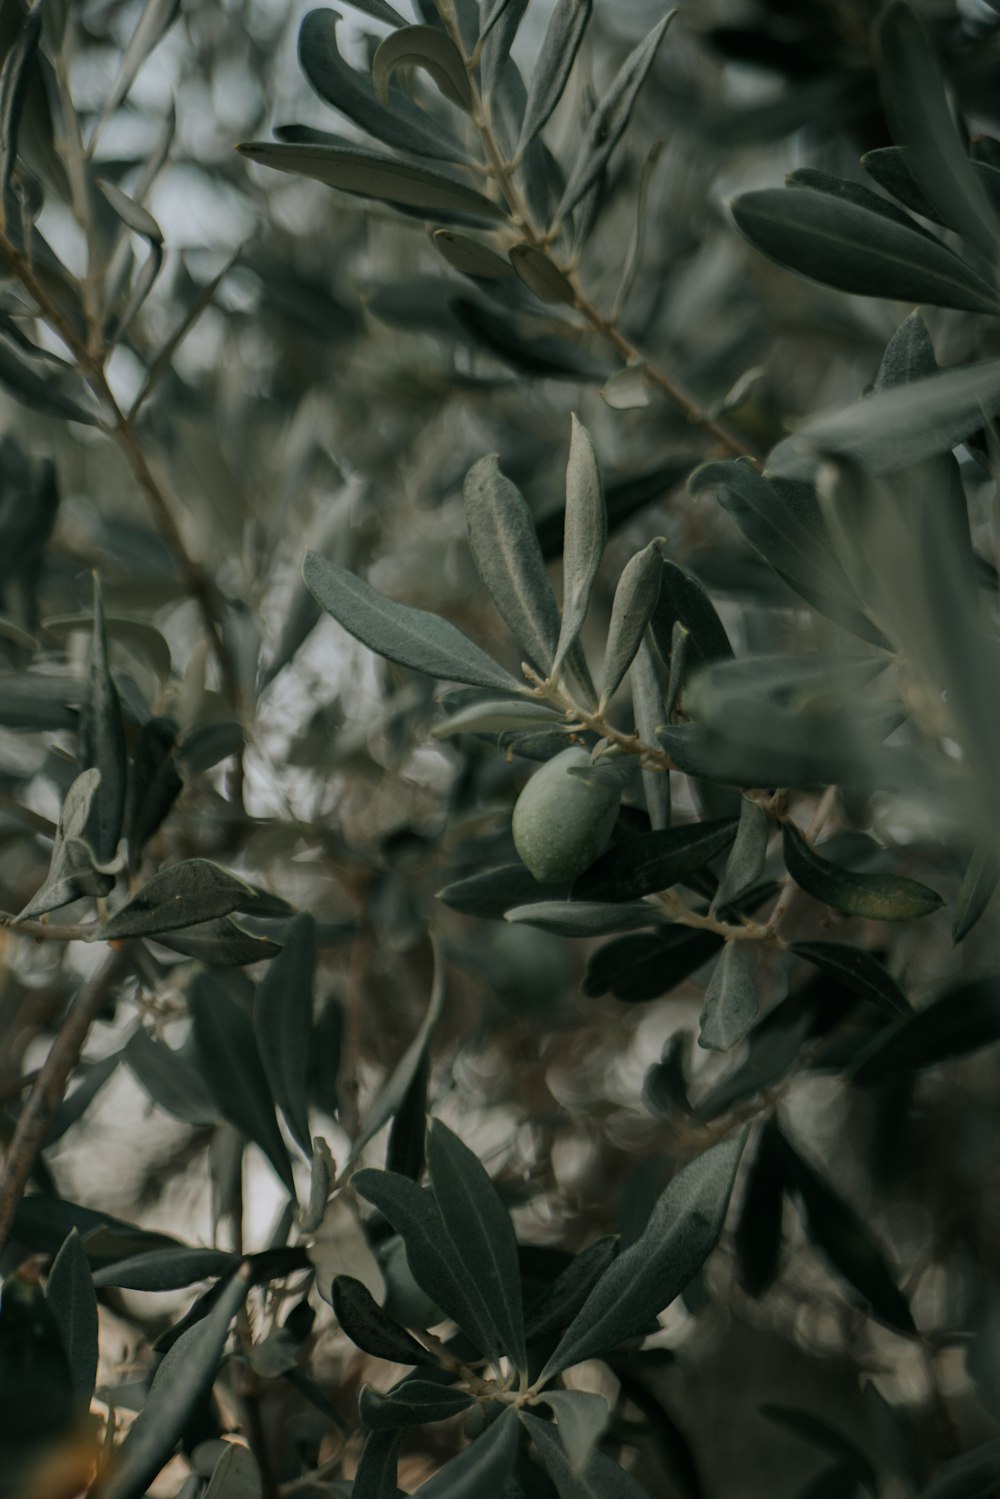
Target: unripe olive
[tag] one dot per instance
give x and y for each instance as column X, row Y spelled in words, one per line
column 404, row 1299
column 562, row 821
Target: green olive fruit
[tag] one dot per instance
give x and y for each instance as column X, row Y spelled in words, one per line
column 530, row 973
column 404, row 1301
column 563, row 821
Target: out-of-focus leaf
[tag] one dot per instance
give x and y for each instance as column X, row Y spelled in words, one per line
column 818, row 1433
column 978, row 884
column 878, row 897
column 730, row 1006
column 972, row 1475
column 638, row 968
column 681, row 1233
column 235, row 1475
column 206, row 744
column 42, row 1222
column 553, row 65
column 410, row 637
column 503, row 542
column 844, row 1239
column 233, row 1072
column 413, row 1403
column 193, row 891
column 839, row 243
column 376, row 1474
column 14, row 81
column 541, row 275
column 608, row 122
column 372, row 174
column 166, row 1269
column 524, row 346
column 484, row 1465
column 395, row 1088
column 380, row 10
column 372, row 1329
column 757, row 1236
column 471, row 256
column 913, row 91
column 480, row 1232
column 283, row 1022
column 582, row 1418
column 426, row 47
column 960, row 1021
column 170, row 1078
column 859, row 970
column 494, row 892
column 102, row 741
column 601, row 1479
column 558, row 1305
column 41, row 392
column 649, row 862
column 69, row 1292
column 180, row 1382
column 156, row 19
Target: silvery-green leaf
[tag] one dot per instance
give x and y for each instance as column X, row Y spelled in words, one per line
column 372, row 174
column 581, row 1418
column 502, row 537
column 650, row 712
column 156, row 19
column 626, row 390
column 730, row 1006
column 602, row 1478
column 471, row 256
column 72, row 868
column 553, row 65
column 635, row 599
column 495, row 716
column 583, row 918
column 746, row 857
column 185, row 894
column 913, row 90
column 131, row 213
column 610, row 118
column 341, row 1247
column 681, row 1233
column 411, row 637
column 283, row 1024
column 427, row 47
column 586, row 529
column 541, row 275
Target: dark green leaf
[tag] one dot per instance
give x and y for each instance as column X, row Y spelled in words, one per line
column 645, row 1278
column 471, row 256
column 396, row 1087
column 730, row 1005
column 372, row 1329
column 426, row 47
column 649, row 862
column 372, row 174
column 682, row 598
column 584, row 918
column 481, row 1234
column 817, row 1433
column 170, row 1078
column 608, row 122
column 376, row 1474
column 553, row 65
column 556, row 1307
column 602, row 1478
column 484, row 1465
column 503, row 541
column 913, row 91
column 233, row 1072
column 166, row 1269
column 236, row 1474
column 411, row 637
column 841, row 244
column 525, row 346
column 494, row 892
column 41, row 392
column 978, row 884
column 640, row 968
column 858, row 970
column 909, row 355
column 71, row 867
column 283, row 1022
column 13, row 92
column 888, row 167
column 962, row 1020
column 194, row 891
column 154, row 784
column 416, row 1402
column 745, row 864
column 582, row 1418
column 842, row 1236
column 181, row 1381
column 878, row 897
column 852, row 192
column 757, row 1236
column 972, row 1475
column 42, row 1223
column 69, row 1292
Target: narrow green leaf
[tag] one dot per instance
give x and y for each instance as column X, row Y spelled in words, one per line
column 500, row 83
column 840, row 244
column 526, row 346
column 496, row 715
column 586, row 529
column 541, row 275
column 682, row 598
column 414, row 1213
column 220, row 943
column 745, row 864
column 858, row 970
column 631, row 611
column 556, row 1308
column 887, row 165
column 757, row 1237
column 41, row 392
column 14, row 81
column 376, row 1474
column 426, row 47
column 608, row 122
column 235, row 1475
column 583, row 918
column 978, row 884
column 505, row 547
column 132, row 214
column 410, row 637
column 165, row 1269
column 582, row 1418
column 43, row 1222
column 233, row 1072
column 960, row 1021
column 878, row 897
column 379, row 10
column 481, row 1233
column 853, row 192
column 638, row 968
column 494, row 892
column 553, row 65
column 681, row 1233
column 72, row 871
column 170, row 1078
column 650, row 712
column 471, row 256
column 483, row 1467
column 156, row 20
column 102, row 741
column 283, row 1023
column 845, row 1240
column 193, row 891
column 69, row 1292
column 601, row 1479
column 646, row 863
column 372, row 174
column 416, row 1402
column 394, row 1090
column 913, row 91
column 372, row 1329
column 730, row 1006
column 179, row 1384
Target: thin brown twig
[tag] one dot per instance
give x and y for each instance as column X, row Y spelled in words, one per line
column 43, row 931
column 48, row 1091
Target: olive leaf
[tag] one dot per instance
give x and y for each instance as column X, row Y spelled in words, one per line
column 631, row 611
column 976, row 891
column 185, row 894
column 426, row 47
column 553, row 65
column 372, row 1329
column 879, row 897
column 858, row 969
column 649, row 862
column 586, row 529
column 730, row 1005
